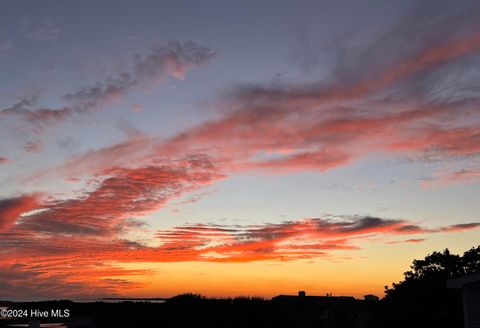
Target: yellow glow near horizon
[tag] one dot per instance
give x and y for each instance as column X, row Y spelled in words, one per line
column 355, row 273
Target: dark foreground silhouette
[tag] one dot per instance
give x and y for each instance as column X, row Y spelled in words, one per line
column 422, row 299
column 195, row 311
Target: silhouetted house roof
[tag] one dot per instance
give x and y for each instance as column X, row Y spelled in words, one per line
column 458, row 283
column 371, row 297
column 333, row 311
column 294, row 298
column 470, row 286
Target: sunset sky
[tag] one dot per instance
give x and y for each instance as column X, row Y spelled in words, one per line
column 152, row 148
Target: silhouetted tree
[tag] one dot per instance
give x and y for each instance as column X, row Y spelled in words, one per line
column 422, row 298
column 187, row 298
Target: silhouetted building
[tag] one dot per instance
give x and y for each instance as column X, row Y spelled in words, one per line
column 371, row 297
column 302, row 297
column 333, row 311
column 34, row 324
column 470, row 286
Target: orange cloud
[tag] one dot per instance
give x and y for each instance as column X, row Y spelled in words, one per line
column 291, row 240
column 80, row 261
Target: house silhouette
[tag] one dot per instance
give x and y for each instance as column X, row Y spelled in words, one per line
column 333, row 311
column 470, row 286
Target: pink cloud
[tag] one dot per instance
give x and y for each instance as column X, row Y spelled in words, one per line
column 32, row 147
column 445, row 178
column 410, row 241
column 5, row 44
column 460, row 227
column 137, row 107
column 316, row 127
column 12, row 208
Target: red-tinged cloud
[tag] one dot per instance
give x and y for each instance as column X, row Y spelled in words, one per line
column 12, row 208
column 288, row 138
column 123, row 193
column 129, row 153
column 460, row 227
column 3, row 160
column 72, row 278
column 68, row 263
column 428, row 58
column 310, row 127
column 432, row 57
column 464, row 176
column 69, row 242
column 409, row 241
column 291, row 240
column 325, row 125
column 319, row 127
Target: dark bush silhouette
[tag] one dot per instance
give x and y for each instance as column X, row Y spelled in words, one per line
column 186, row 298
column 422, row 298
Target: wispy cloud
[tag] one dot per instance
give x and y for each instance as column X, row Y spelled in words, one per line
column 292, row 240
column 32, row 146
column 5, row 44
column 29, row 110
column 460, row 227
column 173, row 59
column 446, row 178
column 44, row 30
column 411, row 241
column 389, row 105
